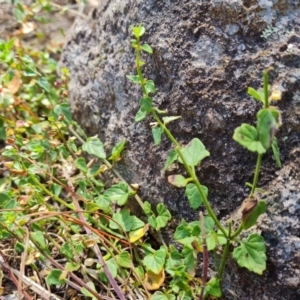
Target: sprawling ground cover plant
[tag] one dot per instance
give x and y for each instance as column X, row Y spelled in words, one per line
column 60, row 219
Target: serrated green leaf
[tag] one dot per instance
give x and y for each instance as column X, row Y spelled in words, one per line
column 134, row 78
column 152, row 221
column 117, row 151
column 103, row 202
column 194, row 152
column 177, row 180
column 136, row 223
column 247, row 136
column 122, row 219
column 53, row 277
column 62, row 109
column 146, row 104
column 252, row 254
column 150, row 86
column 147, row 48
column 156, row 133
column 154, row 262
column 147, row 208
column 118, row 193
column 140, row 115
column 173, row 156
column 194, row 196
column 124, row 260
column 80, row 164
column 163, row 217
column 251, row 215
column 276, row 152
column 94, row 146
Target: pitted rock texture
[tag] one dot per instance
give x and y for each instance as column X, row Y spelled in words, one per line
column 206, row 54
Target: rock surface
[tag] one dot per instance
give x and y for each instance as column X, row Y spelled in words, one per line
column 206, row 55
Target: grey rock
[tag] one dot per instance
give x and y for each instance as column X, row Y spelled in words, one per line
column 206, row 54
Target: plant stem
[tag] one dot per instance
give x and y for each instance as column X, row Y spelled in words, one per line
column 191, row 174
column 176, row 144
column 62, row 202
column 225, row 253
column 138, row 67
column 257, row 169
column 266, row 85
column 205, row 258
column 237, row 232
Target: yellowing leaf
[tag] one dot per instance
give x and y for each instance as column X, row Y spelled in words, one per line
column 89, row 243
column 154, row 281
column 137, row 234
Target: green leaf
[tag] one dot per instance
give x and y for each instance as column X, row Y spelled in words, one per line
column 267, row 125
column 103, row 202
column 31, row 72
column 194, row 152
column 113, row 268
column 157, row 132
column 53, row 277
column 72, row 266
column 161, row 296
column 140, row 115
column 94, row 146
column 122, row 219
column 258, row 95
column 213, row 288
column 38, row 236
column 252, row 254
column 134, row 78
column 167, row 120
column 251, row 214
column 163, row 216
column 85, row 292
column 276, row 152
column 19, row 248
column 147, row 48
column 154, row 262
column 150, row 87
column 44, row 84
column 247, row 136
column 177, row 180
column 147, row 208
column 117, row 151
column 118, row 193
column 124, row 260
column 173, row 156
column 62, row 110
column 138, row 31
column 194, row 196
column 146, row 104
column 80, row 164
column 190, row 257
column 136, row 223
